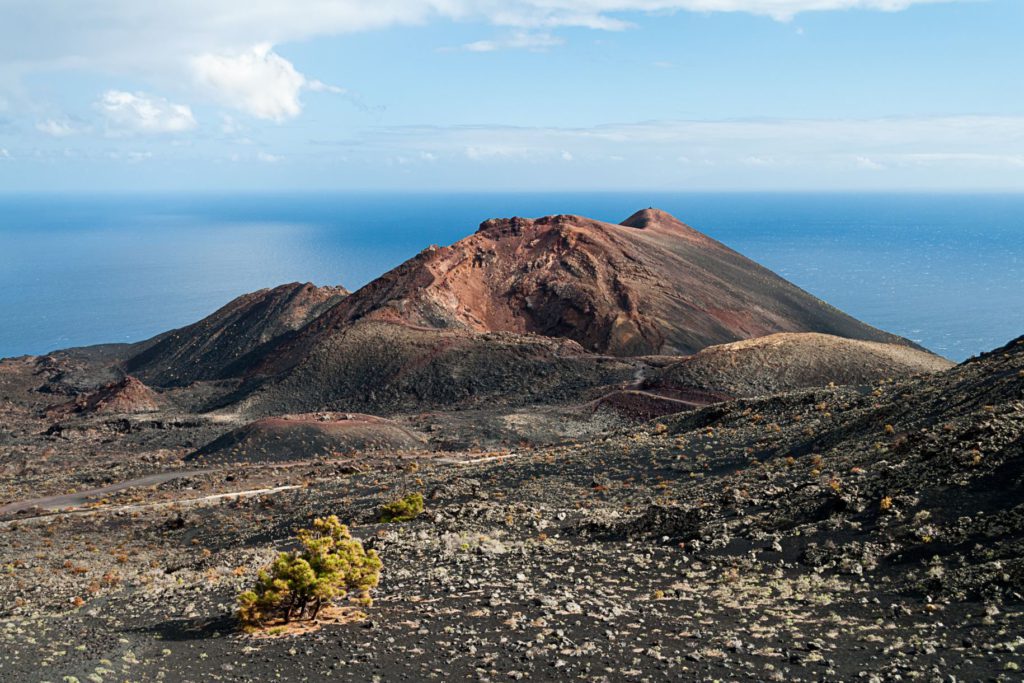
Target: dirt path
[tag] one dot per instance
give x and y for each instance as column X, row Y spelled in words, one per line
column 69, row 502
column 180, row 503
column 80, row 498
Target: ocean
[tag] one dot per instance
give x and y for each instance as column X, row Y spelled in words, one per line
column 944, row 270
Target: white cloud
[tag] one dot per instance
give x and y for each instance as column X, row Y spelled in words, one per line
column 130, row 156
column 4, row 154
column 968, row 158
column 868, row 164
column 519, row 40
column 320, row 86
column 57, row 129
column 142, row 113
column 489, row 150
column 257, row 81
column 162, row 36
column 228, row 125
column 212, row 41
column 268, row 158
column 918, row 152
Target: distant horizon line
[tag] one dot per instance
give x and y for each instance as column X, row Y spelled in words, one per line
column 8, row 194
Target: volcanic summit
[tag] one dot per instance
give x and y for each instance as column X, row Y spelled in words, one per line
column 649, row 285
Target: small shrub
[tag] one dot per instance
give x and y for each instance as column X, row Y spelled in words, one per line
column 297, row 585
column 403, row 509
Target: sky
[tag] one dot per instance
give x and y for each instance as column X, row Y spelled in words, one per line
column 524, row 95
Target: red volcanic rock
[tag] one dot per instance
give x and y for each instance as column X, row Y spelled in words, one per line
column 649, row 285
column 523, row 310
column 124, row 397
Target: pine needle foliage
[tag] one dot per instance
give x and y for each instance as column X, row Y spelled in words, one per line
column 330, row 566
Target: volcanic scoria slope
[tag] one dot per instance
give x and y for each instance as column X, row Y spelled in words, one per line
column 210, row 348
column 651, row 285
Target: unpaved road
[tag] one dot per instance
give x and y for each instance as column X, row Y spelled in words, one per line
column 80, row 498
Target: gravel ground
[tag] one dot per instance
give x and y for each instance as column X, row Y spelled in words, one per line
column 852, row 533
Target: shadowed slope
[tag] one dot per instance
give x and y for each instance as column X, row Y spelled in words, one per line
column 208, row 349
column 381, row 367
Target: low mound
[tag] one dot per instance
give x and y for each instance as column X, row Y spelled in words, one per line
column 383, row 368
column 296, row 437
column 783, row 362
column 124, row 397
column 214, row 346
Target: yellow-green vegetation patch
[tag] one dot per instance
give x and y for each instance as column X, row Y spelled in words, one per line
column 403, row 509
column 298, row 585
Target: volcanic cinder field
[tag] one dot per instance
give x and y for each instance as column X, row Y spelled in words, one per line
column 642, row 455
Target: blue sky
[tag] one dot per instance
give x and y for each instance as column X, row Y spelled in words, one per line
column 115, row 95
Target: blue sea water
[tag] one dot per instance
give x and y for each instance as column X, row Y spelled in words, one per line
column 944, row 270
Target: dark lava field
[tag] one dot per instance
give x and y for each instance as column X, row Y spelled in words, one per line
column 626, row 476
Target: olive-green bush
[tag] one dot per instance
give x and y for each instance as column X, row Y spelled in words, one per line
column 331, row 565
column 403, row 509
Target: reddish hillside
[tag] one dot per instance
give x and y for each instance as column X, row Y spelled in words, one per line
column 650, row 285
column 126, row 396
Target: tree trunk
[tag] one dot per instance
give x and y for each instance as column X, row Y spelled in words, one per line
column 288, row 610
